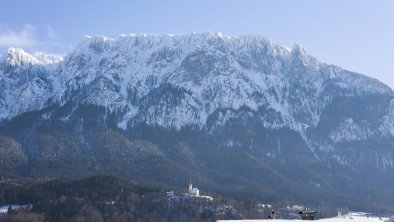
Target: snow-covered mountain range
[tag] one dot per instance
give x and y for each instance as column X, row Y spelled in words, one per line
column 212, row 71
column 246, row 92
column 216, row 72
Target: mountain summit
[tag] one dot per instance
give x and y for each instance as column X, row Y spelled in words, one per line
column 239, row 109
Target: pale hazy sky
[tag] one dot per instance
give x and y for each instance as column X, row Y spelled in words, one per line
column 355, row 34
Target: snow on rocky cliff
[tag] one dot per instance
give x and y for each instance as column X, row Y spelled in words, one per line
column 24, row 84
column 174, row 81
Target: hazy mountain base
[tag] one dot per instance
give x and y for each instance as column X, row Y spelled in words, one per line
column 107, row 198
column 89, row 143
column 104, row 198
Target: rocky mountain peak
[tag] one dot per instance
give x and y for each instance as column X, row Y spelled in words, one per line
column 19, row 57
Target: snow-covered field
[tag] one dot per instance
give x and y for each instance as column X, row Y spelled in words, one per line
column 353, row 217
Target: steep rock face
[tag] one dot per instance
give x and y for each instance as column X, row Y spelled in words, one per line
column 214, row 71
column 234, row 108
column 25, row 82
column 211, row 72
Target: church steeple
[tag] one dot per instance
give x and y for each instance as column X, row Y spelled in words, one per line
column 190, row 184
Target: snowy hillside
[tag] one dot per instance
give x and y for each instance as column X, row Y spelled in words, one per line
column 358, row 217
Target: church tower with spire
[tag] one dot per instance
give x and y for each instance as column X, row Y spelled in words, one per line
column 195, row 192
column 190, row 185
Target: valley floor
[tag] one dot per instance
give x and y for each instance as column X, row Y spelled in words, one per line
column 353, row 217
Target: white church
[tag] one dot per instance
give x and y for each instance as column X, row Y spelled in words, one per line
column 195, row 192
